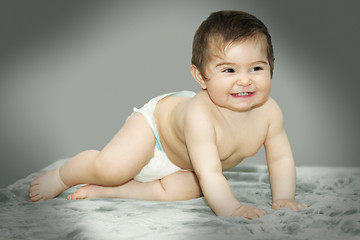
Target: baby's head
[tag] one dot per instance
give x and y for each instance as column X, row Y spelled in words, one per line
column 223, row 28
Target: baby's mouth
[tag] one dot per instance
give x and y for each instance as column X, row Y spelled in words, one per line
column 242, row 94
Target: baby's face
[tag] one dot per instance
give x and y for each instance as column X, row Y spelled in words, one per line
column 239, row 79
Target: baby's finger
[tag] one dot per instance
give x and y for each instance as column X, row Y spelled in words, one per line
column 257, row 213
column 251, row 216
column 282, row 204
column 301, row 206
column 297, row 206
column 275, row 206
column 262, row 212
column 293, row 206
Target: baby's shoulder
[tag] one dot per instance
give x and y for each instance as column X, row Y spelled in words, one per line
column 199, row 104
column 271, row 106
column 198, row 111
column 273, row 111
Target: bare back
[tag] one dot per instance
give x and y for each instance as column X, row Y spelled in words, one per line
column 238, row 136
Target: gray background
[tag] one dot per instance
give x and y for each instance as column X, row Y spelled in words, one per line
column 71, row 72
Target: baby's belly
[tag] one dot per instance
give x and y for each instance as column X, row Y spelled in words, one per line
column 227, row 164
column 177, row 153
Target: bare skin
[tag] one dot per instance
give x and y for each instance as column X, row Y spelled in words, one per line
column 227, row 121
column 179, row 186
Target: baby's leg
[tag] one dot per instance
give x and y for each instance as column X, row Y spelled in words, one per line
column 121, row 160
column 48, row 185
column 178, row 186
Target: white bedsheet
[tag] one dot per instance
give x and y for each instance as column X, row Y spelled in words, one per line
column 332, row 193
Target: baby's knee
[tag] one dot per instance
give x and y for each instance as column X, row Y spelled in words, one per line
column 181, row 186
column 191, row 187
column 109, row 173
column 95, row 166
column 89, row 155
column 191, row 192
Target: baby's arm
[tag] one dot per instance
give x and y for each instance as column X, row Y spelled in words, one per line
column 280, row 163
column 200, row 139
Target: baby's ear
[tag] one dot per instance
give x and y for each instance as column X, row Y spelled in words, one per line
column 198, row 76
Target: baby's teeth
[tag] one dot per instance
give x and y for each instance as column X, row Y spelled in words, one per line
column 243, row 93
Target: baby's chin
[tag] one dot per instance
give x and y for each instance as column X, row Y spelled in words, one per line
column 246, row 106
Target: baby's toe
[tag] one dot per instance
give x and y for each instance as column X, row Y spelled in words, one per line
column 36, row 198
column 34, row 188
column 34, row 194
column 33, row 184
column 35, row 181
column 70, row 196
column 81, row 193
column 73, row 196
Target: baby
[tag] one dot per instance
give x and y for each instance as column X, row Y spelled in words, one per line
column 177, row 145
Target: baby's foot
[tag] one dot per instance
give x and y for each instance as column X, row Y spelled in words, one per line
column 46, row 186
column 89, row 191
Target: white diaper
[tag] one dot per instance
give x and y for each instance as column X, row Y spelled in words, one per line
column 160, row 165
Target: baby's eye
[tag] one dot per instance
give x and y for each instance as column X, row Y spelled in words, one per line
column 229, row 70
column 255, row 69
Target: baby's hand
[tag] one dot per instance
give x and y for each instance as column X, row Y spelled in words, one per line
column 248, row 212
column 286, row 203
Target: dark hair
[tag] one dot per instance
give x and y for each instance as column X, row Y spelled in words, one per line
column 222, row 28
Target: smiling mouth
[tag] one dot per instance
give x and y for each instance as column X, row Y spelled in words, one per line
column 242, row 94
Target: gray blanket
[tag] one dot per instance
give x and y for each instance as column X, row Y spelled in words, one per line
column 333, row 195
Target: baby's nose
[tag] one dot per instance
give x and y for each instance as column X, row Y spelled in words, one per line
column 244, row 81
